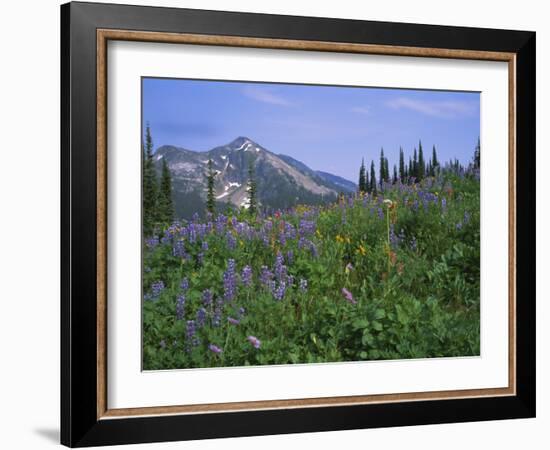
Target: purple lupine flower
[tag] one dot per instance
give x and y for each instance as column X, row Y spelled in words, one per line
column 280, row 268
column 229, row 281
column 180, row 307
column 254, row 341
column 231, row 241
column 306, row 227
column 217, row 318
column 215, row 349
column 233, row 321
column 242, row 311
column 152, row 242
column 348, row 268
column 201, row 317
column 380, row 213
column 200, row 258
column 313, row 249
column 184, row 285
column 204, row 246
column 178, row 250
column 266, row 276
column 303, row 285
column 247, row 276
column 348, row 296
column 156, row 289
column 290, row 257
column 279, row 291
column 290, row 281
column 191, row 335
column 207, row 298
column 444, row 204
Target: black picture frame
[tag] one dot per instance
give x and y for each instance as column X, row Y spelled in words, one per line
column 80, row 425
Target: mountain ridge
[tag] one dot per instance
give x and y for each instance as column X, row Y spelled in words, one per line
column 282, row 181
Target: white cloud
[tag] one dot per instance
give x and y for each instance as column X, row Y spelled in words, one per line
column 445, row 109
column 361, row 109
column 265, row 95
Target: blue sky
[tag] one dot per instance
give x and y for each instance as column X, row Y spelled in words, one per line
column 329, row 128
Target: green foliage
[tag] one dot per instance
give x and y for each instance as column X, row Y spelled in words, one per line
column 372, row 178
column 362, row 178
column 150, row 186
column 415, row 291
column 210, row 191
column 165, row 204
column 421, row 170
column 251, row 189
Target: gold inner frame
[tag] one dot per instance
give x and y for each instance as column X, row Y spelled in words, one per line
column 104, row 35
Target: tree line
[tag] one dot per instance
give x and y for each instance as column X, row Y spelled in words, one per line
column 158, row 206
column 413, row 171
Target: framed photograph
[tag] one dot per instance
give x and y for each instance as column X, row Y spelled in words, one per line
column 276, row 224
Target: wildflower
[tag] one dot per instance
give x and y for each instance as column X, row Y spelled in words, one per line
column 231, row 241
column 201, row 317
column 247, row 275
column 233, row 321
column 265, row 276
column 217, row 318
column 349, row 268
column 290, row 257
column 178, row 250
column 184, row 284
column 229, row 281
column 207, row 298
column 152, row 242
column 215, row 349
column 280, row 268
column 162, row 344
column 156, row 289
column 348, row 296
column 303, row 285
column 388, row 203
column 279, row 292
column 191, row 335
column 254, row 341
column 361, row 250
column 180, row 307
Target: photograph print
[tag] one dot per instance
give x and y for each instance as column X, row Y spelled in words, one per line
column 295, row 224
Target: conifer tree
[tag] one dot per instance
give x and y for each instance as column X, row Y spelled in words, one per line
column 372, row 178
column 477, row 155
column 383, row 169
column 149, row 186
column 401, row 165
column 210, row 182
column 251, row 188
column 394, row 174
column 362, row 180
column 421, row 164
column 165, row 203
column 415, row 165
column 435, row 162
column 367, row 181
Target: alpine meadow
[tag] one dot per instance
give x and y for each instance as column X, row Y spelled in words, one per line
column 292, row 224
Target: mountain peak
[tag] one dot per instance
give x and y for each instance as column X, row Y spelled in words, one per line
column 245, row 144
